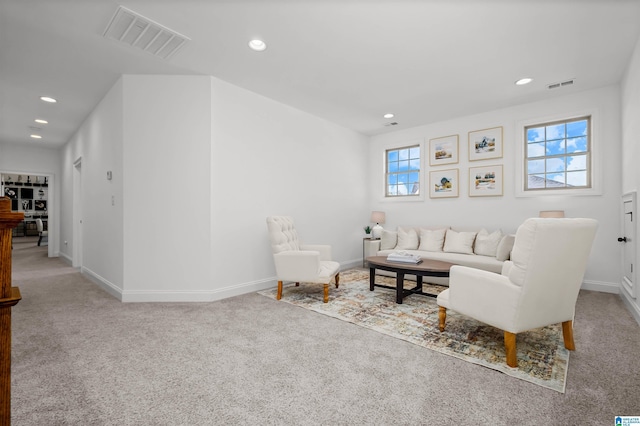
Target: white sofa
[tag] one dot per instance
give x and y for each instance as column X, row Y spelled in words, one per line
column 478, row 249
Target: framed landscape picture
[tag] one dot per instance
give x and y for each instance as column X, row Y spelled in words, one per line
column 444, row 183
column 485, row 144
column 443, row 150
column 485, row 181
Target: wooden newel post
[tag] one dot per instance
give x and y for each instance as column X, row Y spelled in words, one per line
column 9, row 296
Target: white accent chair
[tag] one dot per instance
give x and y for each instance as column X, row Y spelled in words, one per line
column 300, row 263
column 41, row 232
column 538, row 287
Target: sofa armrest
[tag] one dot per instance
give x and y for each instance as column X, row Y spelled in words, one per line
column 506, row 267
column 486, row 296
column 323, row 249
column 296, row 265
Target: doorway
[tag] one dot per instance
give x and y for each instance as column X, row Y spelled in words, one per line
column 33, row 194
column 77, row 214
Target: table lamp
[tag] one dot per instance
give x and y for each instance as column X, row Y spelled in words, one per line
column 376, row 231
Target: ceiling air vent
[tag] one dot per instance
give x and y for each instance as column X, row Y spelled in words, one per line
column 143, row 33
column 561, row 84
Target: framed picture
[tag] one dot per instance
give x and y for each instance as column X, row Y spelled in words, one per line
column 444, row 183
column 485, row 144
column 485, row 181
column 443, row 150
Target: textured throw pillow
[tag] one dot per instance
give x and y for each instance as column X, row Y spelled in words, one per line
column 407, row 239
column 432, row 239
column 503, row 252
column 486, row 243
column 459, row 242
column 388, row 240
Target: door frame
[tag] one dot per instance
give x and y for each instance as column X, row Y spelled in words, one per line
column 629, row 287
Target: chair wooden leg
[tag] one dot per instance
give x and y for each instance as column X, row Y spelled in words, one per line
column 337, row 280
column 510, row 349
column 567, row 333
column 442, row 317
column 326, row 293
column 279, row 295
column 39, row 240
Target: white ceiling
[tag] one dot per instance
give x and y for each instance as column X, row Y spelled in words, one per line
column 348, row 61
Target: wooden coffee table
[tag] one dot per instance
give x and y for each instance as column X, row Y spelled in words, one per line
column 426, row 268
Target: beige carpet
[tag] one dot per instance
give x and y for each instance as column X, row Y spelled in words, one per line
column 542, row 358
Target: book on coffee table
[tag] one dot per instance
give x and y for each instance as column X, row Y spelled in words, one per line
column 404, row 257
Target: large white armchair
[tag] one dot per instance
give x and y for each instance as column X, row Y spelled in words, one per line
column 539, row 286
column 298, row 262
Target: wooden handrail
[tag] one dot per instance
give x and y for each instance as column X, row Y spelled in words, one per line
column 9, row 296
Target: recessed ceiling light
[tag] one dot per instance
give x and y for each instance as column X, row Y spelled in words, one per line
column 524, row 81
column 41, row 121
column 388, row 115
column 36, row 136
column 48, row 99
column 257, row 45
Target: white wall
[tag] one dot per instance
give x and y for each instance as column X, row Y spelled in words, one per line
column 34, row 160
column 631, row 145
column 270, row 159
column 166, row 179
column 198, row 165
column 98, row 143
column 509, row 211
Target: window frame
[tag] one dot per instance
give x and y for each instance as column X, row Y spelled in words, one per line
column 563, row 156
column 394, row 146
column 594, row 160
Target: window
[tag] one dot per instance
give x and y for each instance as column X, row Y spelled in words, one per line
column 403, row 172
column 558, row 155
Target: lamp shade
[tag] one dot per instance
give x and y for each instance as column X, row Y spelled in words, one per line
column 552, row 213
column 377, row 217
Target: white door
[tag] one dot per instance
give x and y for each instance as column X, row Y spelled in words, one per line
column 629, row 243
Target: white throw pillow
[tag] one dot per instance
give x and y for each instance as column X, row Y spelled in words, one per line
column 432, row 239
column 503, row 252
column 459, row 242
column 407, row 239
column 388, row 240
column 486, row 243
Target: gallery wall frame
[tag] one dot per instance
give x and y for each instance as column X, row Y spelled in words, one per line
column 486, row 181
column 444, row 183
column 485, row 144
column 443, row 150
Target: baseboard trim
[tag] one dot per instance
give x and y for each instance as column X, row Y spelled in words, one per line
column 136, row 296
column 631, row 307
column 103, row 283
column 66, row 258
column 601, row 286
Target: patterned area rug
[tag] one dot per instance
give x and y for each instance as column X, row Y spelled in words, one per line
column 542, row 357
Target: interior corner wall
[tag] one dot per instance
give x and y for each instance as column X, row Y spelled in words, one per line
column 271, row 159
column 508, row 211
column 98, row 145
column 166, row 187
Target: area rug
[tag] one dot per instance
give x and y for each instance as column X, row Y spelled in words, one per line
column 542, row 357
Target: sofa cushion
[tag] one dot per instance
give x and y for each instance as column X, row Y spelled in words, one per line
column 407, row 239
column 503, row 251
column 487, row 243
column 389, row 240
column 459, row 242
column 432, row 239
